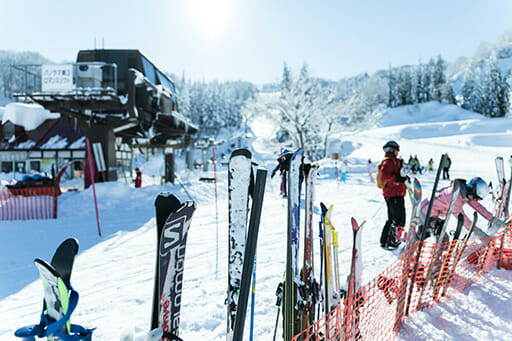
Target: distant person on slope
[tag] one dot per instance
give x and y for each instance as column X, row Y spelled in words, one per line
column 370, row 170
column 344, row 171
column 446, row 168
column 393, row 190
column 471, row 193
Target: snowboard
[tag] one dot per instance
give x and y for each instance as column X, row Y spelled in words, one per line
column 60, row 299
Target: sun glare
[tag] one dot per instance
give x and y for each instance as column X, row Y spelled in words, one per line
column 210, row 16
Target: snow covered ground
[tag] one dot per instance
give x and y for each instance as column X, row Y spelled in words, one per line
column 114, row 273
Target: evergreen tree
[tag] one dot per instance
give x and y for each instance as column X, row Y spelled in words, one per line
column 286, row 81
column 448, row 94
column 492, row 84
column 392, row 89
column 504, row 96
column 415, row 81
column 468, row 89
column 404, row 87
column 438, row 78
column 423, row 83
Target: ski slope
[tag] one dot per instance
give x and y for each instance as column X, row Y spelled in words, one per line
column 114, row 273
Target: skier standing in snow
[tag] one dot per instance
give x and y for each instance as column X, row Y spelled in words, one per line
column 344, row 170
column 370, row 169
column 470, row 193
column 393, row 190
column 430, row 165
column 446, row 168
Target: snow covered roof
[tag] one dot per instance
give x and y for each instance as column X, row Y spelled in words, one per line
column 50, row 134
column 29, row 116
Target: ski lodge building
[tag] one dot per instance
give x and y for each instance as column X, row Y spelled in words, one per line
column 35, row 140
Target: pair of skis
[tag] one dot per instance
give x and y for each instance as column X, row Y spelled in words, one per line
column 242, row 239
column 60, row 299
column 173, row 219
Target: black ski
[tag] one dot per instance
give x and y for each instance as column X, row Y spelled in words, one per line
column 165, row 204
column 424, row 231
column 170, row 262
column 250, row 252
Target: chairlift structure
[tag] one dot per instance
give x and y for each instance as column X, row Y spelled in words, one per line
column 111, row 94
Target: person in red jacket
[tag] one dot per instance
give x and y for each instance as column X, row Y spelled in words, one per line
column 138, row 178
column 394, row 191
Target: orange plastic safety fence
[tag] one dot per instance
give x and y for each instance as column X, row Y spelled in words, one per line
column 381, row 305
column 28, row 203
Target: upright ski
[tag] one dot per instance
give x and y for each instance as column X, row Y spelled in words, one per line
column 171, row 259
column 440, row 248
column 290, row 313
column 410, row 245
column 250, row 253
column 308, row 277
column 443, row 161
column 165, row 204
column 353, row 307
column 239, row 188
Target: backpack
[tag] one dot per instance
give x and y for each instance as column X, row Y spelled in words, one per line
column 381, row 183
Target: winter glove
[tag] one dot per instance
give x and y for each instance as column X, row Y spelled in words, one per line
column 403, row 179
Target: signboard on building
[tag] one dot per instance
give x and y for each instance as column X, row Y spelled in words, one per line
column 57, row 77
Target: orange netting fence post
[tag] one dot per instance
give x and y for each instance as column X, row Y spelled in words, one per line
column 379, row 309
column 28, row 203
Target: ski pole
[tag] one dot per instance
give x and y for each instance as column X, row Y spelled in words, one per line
column 216, row 214
column 279, row 294
column 253, row 297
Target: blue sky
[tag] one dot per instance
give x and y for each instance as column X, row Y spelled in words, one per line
column 250, row 40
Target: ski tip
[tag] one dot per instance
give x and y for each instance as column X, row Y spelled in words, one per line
column 323, row 207
column 70, row 244
column 241, row 152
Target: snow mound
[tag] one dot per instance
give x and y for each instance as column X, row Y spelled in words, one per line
column 425, row 113
column 30, row 116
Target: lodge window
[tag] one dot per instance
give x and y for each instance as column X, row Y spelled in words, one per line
column 35, row 166
column 6, row 166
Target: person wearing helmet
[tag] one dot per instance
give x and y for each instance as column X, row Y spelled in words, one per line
column 393, row 192
column 470, row 193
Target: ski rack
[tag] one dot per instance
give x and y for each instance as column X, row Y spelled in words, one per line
column 381, row 296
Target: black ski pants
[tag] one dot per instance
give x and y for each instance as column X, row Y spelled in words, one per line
column 396, row 217
column 446, row 175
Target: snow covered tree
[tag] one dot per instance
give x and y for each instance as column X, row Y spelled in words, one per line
column 215, row 105
column 448, row 94
column 438, row 78
column 306, row 110
column 504, row 95
column 392, row 89
column 472, row 94
column 404, row 87
column 491, row 87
